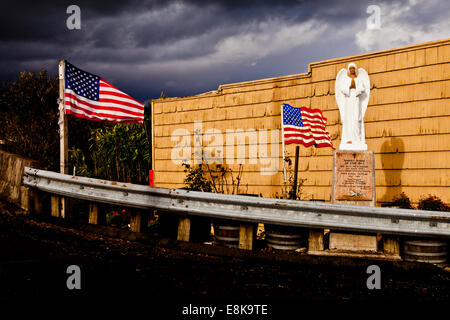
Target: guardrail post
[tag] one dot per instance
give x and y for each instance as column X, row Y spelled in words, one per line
column 55, row 208
column 38, row 206
column 184, row 229
column 315, row 240
column 246, row 236
column 93, row 213
column 391, row 245
column 26, row 199
column 135, row 221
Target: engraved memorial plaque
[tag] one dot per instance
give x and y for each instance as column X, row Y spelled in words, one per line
column 354, row 176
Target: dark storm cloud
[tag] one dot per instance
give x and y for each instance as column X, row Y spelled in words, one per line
column 121, row 31
column 183, row 46
column 45, row 20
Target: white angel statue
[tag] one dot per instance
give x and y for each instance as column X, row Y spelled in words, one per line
column 352, row 90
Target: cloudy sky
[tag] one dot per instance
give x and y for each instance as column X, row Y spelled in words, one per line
column 192, row 46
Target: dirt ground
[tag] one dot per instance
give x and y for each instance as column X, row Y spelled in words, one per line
column 35, row 254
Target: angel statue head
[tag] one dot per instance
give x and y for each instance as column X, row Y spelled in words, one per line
column 352, row 90
column 351, row 68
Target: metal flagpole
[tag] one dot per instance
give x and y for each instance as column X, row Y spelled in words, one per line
column 63, row 136
column 282, row 140
column 294, row 185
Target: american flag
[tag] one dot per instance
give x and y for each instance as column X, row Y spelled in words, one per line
column 305, row 126
column 91, row 97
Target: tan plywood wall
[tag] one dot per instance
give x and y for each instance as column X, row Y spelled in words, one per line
column 407, row 124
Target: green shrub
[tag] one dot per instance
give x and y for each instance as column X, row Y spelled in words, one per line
column 432, row 203
column 196, row 178
column 402, row 201
column 119, row 153
column 29, row 118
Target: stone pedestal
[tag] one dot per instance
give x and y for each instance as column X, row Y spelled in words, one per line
column 353, row 183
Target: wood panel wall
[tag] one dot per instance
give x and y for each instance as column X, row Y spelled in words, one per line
column 407, row 123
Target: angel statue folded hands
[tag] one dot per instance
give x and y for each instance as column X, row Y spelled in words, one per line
column 352, row 89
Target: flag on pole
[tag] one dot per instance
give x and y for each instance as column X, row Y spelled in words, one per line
column 89, row 96
column 305, row 126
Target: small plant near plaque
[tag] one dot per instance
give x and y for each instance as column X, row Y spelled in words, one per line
column 432, row 203
column 402, row 201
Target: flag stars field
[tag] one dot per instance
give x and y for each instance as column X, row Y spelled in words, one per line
column 305, row 126
column 91, row 97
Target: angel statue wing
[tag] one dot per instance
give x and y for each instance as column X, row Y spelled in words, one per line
column 340, row 97
column 364, row 97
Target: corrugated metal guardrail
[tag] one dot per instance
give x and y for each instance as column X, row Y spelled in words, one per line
column 245, row 208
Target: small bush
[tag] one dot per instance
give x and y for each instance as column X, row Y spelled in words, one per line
column 117, row 152
column 118, row 218
column 402, row 201
column 432, row 203
column 218, row 179
column 196, row 178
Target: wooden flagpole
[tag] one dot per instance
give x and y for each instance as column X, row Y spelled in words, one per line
column 152, row 166
column 282, row 140
column 63, row 137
